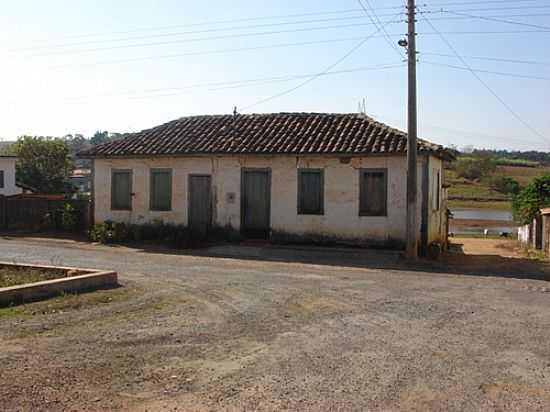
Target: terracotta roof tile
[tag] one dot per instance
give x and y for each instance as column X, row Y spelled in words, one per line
column 276, row 133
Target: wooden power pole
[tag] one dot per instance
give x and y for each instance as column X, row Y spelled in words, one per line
column 412, row 188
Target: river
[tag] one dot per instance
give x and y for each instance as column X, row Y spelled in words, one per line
column 477, row 216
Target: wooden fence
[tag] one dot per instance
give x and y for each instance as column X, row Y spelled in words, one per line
column 37, row 214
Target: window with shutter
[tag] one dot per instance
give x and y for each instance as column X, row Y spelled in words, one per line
column 161, row 189
column 373, row 192
column 121, row 190
column 311, row 192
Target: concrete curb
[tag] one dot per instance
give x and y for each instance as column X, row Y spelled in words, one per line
column 85, row 280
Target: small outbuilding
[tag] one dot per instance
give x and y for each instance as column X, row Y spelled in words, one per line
column 299, row 177
column 8, row 185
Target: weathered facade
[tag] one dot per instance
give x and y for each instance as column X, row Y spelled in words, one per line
column 343, row 196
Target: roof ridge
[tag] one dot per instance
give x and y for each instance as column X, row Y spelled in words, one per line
column 261, row 133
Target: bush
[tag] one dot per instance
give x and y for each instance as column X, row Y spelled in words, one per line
column 527, row 203
column 69, row 218
column 109, row 232
column 155, row 232
column 505, row 184
column 473, row 169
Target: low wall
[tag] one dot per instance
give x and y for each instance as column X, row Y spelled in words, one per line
column 524, row 235
column 86, row 280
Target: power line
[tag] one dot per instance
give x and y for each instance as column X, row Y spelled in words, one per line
column 521, row 76
column 222, row 37
column 312, row 78
column 212, row 86
column 213, row 30
column 286, row 78
column 466, row 3
column 442, row 10
column 283, row 16
column 499, row 20
column 495, row 59
column 374, row 21
column 465, row 63
column 215, row 22
column 428, row 33
column 259, row 18
column 252, row 34
column 278, row 45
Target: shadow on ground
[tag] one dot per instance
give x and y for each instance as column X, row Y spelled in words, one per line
column 455, row 261
column 499, row 263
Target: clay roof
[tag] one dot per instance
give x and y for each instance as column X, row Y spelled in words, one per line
column 273, row 133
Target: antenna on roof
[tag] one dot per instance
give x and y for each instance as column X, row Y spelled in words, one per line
column 362, row 107
column 234, row 139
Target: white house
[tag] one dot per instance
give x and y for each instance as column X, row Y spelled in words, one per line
column 284, row 176
column 8, row 186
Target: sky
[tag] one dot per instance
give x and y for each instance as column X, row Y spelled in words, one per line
column 79, row 66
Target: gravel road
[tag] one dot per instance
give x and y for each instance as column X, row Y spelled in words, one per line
column 279, row 329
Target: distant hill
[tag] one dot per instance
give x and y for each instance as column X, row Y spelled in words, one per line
column 482, row 193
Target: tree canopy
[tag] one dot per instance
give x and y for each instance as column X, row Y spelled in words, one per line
column 528, row 202
column 42, row 163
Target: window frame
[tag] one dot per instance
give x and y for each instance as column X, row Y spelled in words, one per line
column 2, row 179
column 362, row 173
column 152, row 171
column 131, row 175
column 321, row 173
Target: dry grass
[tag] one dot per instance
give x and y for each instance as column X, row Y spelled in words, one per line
column 466, row 194
column 11, row 276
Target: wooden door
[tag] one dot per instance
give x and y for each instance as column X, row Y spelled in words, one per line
column 255, row 202
column 200, row 205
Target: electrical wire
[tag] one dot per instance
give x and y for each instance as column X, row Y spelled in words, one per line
column 376, row 21
column 213, row 86
column 273, row 46
column 495, row 95
column 498, row 19
column 495, row 59
column 312, row 78
column 261, row 33
column 520, row 76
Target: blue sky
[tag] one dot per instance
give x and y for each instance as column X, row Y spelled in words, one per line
column 81, row 66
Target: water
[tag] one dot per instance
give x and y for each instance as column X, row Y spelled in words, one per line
column 476, row 214
column 483, row 214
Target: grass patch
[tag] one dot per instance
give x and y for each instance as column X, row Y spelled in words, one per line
column 9, row 312
column 476, row 204
column 479, row 194
column 69, row 302
column 13, row 276
column 478, row 236
column 75, row 301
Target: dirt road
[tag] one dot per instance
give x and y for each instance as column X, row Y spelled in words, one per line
column 280, row 329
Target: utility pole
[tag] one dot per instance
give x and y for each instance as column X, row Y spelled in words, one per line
column 412, row 188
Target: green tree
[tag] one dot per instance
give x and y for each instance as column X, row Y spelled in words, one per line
column 528, row 202
column 505, row 184
column 472, row 168
column 100, row 137
column 42, row 163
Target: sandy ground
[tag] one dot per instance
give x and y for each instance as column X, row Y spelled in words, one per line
column 282, row 329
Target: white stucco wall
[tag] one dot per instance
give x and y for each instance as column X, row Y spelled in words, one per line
column 7, row 164
column 341, row 219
